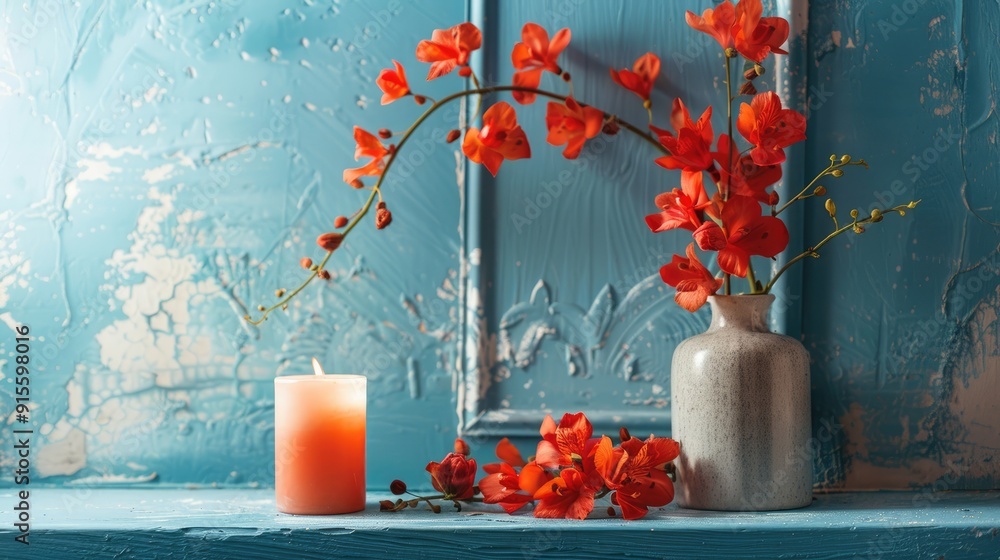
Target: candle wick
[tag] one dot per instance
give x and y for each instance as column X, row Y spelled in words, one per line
column 317, row 369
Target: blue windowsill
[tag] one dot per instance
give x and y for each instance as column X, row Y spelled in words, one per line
column 211, row 523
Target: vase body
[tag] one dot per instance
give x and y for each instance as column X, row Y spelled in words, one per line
column 740, row 409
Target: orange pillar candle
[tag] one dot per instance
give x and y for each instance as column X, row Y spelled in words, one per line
column 319, row 443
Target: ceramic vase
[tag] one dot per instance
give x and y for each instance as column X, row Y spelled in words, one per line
column 740, row 410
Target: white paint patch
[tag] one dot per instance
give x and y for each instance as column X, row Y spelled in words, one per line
column 152, row 128
column 95, row 170
column 154, row 93
column 72, row 191
column 104, row 150
column 158, row 174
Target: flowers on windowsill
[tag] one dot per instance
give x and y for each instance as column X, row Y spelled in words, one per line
column 570, row 470
column 731, row 222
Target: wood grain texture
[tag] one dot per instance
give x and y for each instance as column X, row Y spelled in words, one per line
column 222, row 524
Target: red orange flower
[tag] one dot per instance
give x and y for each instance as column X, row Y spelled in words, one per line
column 681, row 208
column 635, row 472
column 639, row 80
column 566, row 442
column 449, row 48
column 512, row 489
column 746, row 178
column 500, row 138
column 744, row 232
column 756, row 37
column 770, row 128
column 454, row 476
column 393, row 83
column 569, row 495
column 716, row 22
column 534, row 55
column 571, row 124
column 691, row 148
column 693, row 281
column 367, row 146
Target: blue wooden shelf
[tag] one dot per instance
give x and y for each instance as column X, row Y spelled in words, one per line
column 85, row 523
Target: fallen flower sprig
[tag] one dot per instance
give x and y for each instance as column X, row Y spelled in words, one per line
column 570, row 470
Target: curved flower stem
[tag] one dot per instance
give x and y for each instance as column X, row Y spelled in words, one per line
column 375, row 191
column 812, row 251
column 799, row 196
column 834, row 165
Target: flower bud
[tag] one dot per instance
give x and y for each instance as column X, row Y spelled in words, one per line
column 876, row 215
column 261, row 308
column 831, row 207
column 330, row 241
column 837, row 173
column 324, row 274
column 383, row 218
column 453, row 135
column 833, row 158
column 340, row 221
column 436, row 508
column 357, row 184
column 772, row 199
column 397, row 487
column 758, row 69
column 913, row 204
column 819, row 191
column 386, row 505
column 750, row 74
column 465, row 71
column 305, row 262
column 748, row 88
column 730, row 52
column 859, row 229
column 611, row 127
column 623, row 434
column 384, row 133
column 279, row 292
column 611, row 511
column 461, row 447
column 854, row 213
column 419, row 99
column 565, row 76
column 845, row 159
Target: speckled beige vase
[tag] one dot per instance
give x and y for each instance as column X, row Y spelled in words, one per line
column 740, row 410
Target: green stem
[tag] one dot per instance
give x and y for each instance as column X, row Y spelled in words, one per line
column 392, row 158
column 727, row 283
column 812, row 251
column 803, row 191
column 752, row 279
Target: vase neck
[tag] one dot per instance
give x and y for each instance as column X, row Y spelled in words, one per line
column 740, row 312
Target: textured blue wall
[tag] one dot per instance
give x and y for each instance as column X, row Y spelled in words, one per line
column 171, row 164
